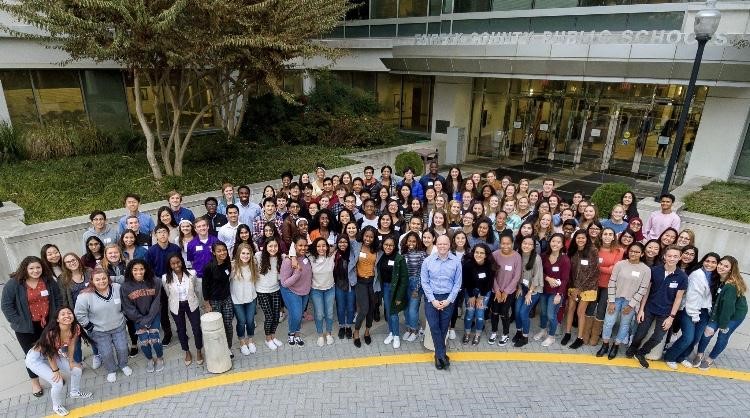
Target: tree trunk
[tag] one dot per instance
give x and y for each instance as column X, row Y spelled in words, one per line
column 147, row 132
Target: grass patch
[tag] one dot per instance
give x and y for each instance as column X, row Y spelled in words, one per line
column 72, row 186
column 722, row 199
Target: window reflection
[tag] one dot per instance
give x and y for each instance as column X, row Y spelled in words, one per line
column 19, row 97
column 58, row 94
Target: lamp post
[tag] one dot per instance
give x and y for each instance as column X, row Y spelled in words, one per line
column 706, row 23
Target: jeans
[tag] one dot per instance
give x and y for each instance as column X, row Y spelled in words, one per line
column 523, row 321
column 39, row 364
column 623, row 333
column 149, row 339
column 475, row 314
column 78, row 350
column 365, row 303
column 195, row 324
column 323, row 308
column 345, row 307
column 439, row 323
column 415, row 294
column 295, row 304
column 110, row 343
column 548, row 316
column 392, row 318
column 721, row 340
column 643, row 328
column 245, row 314
column 691, row 335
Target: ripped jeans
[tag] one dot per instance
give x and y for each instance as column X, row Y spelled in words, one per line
column 150, row 338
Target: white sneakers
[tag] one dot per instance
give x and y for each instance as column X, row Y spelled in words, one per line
column 127, row 371
column 321, row 341
column 96, row 361
column 388, row 339
column 329, row 339
column 548, row 341
column 111, row 377
column 672, row 365
column 451, row 334
column 80, row 395
column 251, row 348
column 60, row 410
column 396, row 342
column 407, row 334
column 270, row 344
column 687, row 363
column 539, row 335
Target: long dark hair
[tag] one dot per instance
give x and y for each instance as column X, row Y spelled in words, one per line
column 632, row 211
column 532, row 255
column 490, row 234
column 692, row 266
column 238, row 240
column 549, row 247
column 43, row 257
column 714, row 275
column 489, row 259
column 265, row 257
column 573, row 250
column 375, row 241
column 21, row 273
column 405, row 246
column 88, row 250
column 148, row 274
column 47, row 343
column 173, row 222
column 183, row 267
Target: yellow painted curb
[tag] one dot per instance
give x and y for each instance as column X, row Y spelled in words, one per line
column 333, row 365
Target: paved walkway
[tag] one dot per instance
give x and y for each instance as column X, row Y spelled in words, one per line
column 376, row 379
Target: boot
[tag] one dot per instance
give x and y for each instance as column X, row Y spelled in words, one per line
column 584, row 330
column 596, row 332
column 603, row 350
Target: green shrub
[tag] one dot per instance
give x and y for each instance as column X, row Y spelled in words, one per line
column 409, row 159
column 59, row 139
column 125, row 140
column 722, row 199
column 11, row 148
column 333, row 96
column 608, row 195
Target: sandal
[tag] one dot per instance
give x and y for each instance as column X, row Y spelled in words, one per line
column 188, row 358
column 199, row 361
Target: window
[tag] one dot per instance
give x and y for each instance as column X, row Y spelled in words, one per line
column 412, row 8
column 59, row 96
column 743, row 163
column 19, row 97
column 383, row 9
column 105, row 99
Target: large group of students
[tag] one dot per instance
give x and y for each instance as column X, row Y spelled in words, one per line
column 475, row 247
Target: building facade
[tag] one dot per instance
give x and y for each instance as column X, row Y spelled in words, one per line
column 591, row 84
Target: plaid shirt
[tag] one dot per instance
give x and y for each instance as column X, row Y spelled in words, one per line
column 260, row 222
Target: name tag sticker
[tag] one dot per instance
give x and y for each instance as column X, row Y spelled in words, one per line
column 482, row 275
column 508, row 268
column 391, row 262
column 635, row 273
column 397, row 228
column 380, row 237
column 601, row 260
column 584, row 262
column 107, row 240
column 526, row 282
column 198, row 248
column 227, row 272
column 304, row 261
column 673, row 285
column 555, row 268
column 117, row 301
column 429, row 183
column 44, row 292
column 362, row 254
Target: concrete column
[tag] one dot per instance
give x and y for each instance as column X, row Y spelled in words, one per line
column 720, row 135
column 4, row 114
column 308, row 83
column 451, row 101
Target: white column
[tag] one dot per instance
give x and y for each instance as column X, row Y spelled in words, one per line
column 4, row 114
column 308, row 83
column 720, row 133
column 451, row 101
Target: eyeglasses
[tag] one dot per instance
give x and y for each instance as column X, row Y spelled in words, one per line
column 636, row 223
column 70, row 261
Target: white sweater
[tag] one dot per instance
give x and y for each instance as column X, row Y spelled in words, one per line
column 698, row 295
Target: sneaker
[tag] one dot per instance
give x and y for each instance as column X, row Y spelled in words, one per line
column 521, row 341
column 412, row 337
column 277, row 342
column 149, row 366
column 389, row 338
column 244, row 350
column 539, row 335
column 396, row 342
column 705, row 365
column 407, row 335
column 329, row 339
column 503, row 341
column 697, row 361
column 451, row 334
column 252, row 348
column 159, row 364
column 111, row 377
column 271, row 345
column 492, row 339
column 548, row 341
column 687, row 363
column 466, row 339
column 80, row 395
column 298, row 341
column 290, row 341
column 127, row 371
column 60, row 410
column 349, row 333
column 672, row 365
column 421, row 332
column 133, row 352
column 641, row 360
column 476, row 339
column 342, row 333
column 282, row 316
column 321, row 341
column 518, row 335
column 653, row 356
column 96, row 361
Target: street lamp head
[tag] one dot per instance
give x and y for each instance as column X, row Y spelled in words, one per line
column 707, row 21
